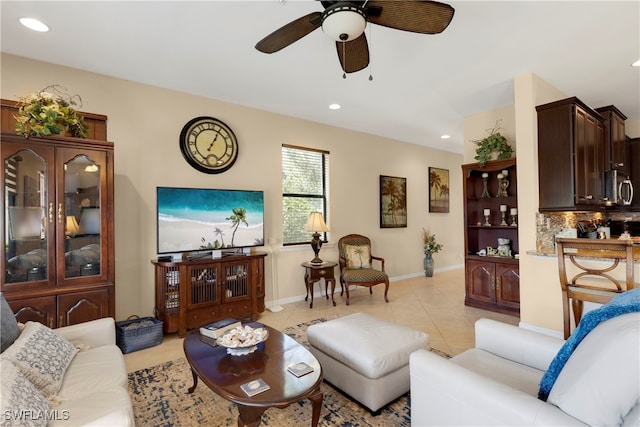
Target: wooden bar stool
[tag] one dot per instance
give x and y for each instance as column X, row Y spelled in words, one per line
column 601, row 286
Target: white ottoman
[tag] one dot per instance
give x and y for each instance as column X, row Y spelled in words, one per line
column 366, row 357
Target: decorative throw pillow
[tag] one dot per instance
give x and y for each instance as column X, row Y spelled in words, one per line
column 9, row 329
column 21, row 404
column 42, row 356
column 599, row 383
column 358, row 256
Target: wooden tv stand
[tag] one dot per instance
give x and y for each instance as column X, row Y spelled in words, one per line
column 192, row 293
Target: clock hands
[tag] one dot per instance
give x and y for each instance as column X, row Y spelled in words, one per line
column 213, row 142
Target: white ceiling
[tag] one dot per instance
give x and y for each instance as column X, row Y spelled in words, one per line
column 423, row 85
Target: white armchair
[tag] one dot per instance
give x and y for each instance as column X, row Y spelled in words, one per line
column 497, row 382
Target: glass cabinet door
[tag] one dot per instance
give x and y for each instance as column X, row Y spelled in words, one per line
column 29, row 216
column 82, row 214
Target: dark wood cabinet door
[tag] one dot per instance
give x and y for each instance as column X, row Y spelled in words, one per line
column 616, row 153
column 508, row 285
column 42, row 309
column 589, row 153
column 481, row 281
column 82, row 307
column 619, row 146
column 203, row 285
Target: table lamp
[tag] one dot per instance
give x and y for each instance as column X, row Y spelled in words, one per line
column 316, row 224
column 72, row 226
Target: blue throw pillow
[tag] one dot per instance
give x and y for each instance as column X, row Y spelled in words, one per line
column 9, row 329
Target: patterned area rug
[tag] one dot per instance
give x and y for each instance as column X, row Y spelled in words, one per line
column 160, row 398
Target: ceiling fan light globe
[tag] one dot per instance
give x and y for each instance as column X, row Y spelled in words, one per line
column 343, row 22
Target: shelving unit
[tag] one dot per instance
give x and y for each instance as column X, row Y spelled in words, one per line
column 492, row 281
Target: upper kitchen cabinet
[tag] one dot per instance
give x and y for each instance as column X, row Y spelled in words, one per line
column 616, row 152
column 570, row 156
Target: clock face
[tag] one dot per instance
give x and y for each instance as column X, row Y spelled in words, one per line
column 208, row 145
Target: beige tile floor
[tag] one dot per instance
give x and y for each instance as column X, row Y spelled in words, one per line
column 434, row 305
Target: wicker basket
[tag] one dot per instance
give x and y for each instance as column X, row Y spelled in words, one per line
column 137, row 333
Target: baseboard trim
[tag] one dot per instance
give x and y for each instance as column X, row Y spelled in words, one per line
column 320, row 294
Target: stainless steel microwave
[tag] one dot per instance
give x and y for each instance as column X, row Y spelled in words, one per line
column 618, row 189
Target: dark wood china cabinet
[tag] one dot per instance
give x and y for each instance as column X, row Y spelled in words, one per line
column 57, row 260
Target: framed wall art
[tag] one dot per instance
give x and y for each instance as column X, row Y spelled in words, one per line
column 393, row 202
column 438, row 190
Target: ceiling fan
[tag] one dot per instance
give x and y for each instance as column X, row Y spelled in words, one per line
column 345, row 21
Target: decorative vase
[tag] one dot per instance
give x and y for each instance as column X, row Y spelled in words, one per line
column 428, row 265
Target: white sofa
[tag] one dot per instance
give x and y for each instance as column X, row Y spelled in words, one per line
column 497, row 382
column 94, row 389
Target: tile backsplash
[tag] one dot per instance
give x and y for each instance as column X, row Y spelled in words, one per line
column 551, row 223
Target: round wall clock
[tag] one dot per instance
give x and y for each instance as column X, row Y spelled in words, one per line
column 209, row 145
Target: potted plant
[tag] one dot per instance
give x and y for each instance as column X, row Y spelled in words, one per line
column 431, row 246
column 50, row 112
column 493, row 143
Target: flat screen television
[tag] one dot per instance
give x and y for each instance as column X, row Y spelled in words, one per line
column 201, row 219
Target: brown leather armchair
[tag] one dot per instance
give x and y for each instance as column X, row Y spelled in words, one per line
column 356, row 265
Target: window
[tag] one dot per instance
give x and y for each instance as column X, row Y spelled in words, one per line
column 304, row 190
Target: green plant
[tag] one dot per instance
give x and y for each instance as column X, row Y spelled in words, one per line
column 430, row 244
column 50, row 112
column 493, row 143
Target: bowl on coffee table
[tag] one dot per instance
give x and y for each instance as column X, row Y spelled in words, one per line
column 242, row 340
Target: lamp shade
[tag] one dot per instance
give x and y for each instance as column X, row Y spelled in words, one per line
column 72, row 225
column 316, row 223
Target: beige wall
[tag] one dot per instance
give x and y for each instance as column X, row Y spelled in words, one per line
column 477, row 126
column 145, row 122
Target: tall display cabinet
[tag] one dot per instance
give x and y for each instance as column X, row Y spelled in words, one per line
column 57, row 259
column 492, row 277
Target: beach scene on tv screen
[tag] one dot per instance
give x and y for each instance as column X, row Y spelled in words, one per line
column 206, row 219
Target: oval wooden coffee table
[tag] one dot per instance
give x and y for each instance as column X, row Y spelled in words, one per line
column 224, row 374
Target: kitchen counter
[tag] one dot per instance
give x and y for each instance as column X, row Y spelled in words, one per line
column 593, row 254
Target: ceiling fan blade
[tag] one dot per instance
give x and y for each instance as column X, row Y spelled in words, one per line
column 416, row 16
column 290, row 33
column 353, row 55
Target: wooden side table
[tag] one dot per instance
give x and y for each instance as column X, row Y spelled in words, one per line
column 314, row 272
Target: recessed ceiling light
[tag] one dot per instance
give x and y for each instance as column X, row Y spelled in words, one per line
column 335, row 106
column 636, row 64
column 445, row 136
column 34, row 24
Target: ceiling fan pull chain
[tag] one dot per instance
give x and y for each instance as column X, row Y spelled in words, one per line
column 344, row 59
column 370, row 66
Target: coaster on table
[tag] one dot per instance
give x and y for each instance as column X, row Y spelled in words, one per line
column 300, row 369
column 254, row 387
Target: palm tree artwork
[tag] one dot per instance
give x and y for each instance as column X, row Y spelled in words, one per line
column 393, row 202
column 239, row 216
column 438, row 190
column 360, row 251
